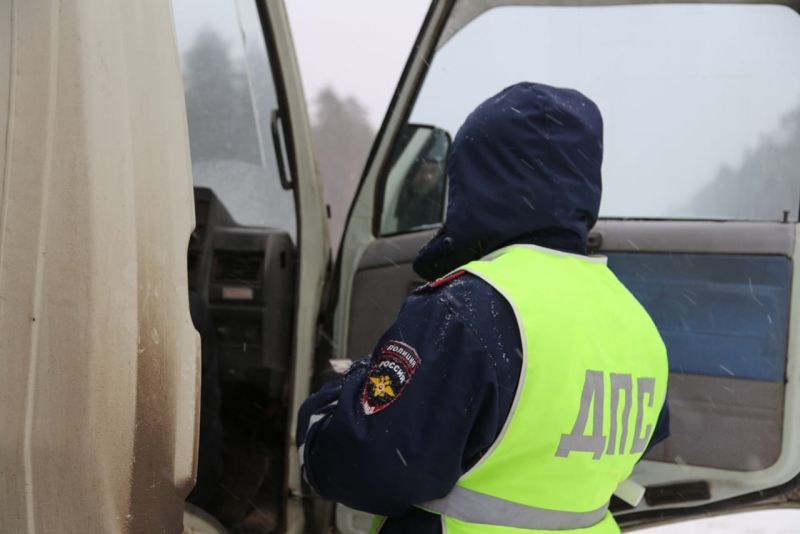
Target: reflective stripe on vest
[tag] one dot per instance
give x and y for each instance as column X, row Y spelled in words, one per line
column 473, row 507
column 593, row 379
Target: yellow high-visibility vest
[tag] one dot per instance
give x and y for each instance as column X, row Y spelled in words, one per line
column 593, row 381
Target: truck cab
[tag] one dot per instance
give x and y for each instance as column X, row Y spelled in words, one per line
column 167, row 294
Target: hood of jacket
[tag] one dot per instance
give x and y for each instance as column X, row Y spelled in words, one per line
column 523, row 168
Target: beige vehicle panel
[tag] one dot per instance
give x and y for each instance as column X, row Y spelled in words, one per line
column 100, row 362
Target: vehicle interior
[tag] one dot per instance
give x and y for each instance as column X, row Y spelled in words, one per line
column 241, row 294
column 242, row 263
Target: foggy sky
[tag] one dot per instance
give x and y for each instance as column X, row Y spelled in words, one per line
column 358, row 47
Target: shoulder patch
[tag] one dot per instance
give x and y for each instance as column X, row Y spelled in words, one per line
column 389, row 376
column 441, row 281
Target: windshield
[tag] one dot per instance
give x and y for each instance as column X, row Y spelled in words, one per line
column 701, row 103
column 230, row 98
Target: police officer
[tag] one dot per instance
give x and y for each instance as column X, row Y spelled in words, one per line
column 522, row 385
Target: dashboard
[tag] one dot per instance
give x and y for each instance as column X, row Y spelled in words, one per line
column 245, row 277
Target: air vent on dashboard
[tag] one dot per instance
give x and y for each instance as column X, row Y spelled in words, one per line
column 237, row 267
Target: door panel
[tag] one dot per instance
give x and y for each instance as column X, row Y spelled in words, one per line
column 254, row 301
column 720, row 295
column 722, row 422
column 724, row 317
column 382, row 282
column 100, row 376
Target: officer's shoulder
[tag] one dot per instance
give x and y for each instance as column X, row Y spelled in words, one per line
column 461, row 285
column 465, row 298
column 447, row 280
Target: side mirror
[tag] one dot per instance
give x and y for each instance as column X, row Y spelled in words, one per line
column 414, row 190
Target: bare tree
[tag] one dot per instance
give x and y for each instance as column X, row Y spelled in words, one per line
column 218, row 106
column 343, row 137
column 765, row 184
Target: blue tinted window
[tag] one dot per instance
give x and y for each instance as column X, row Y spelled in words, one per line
column 720, row 315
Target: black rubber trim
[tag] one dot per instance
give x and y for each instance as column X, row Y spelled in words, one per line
column 677, row 493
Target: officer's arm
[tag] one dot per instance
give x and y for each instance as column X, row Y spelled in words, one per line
column 661, row 431
column 395, row 430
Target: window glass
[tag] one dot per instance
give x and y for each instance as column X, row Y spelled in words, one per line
column 230, row 96
column 701, row 103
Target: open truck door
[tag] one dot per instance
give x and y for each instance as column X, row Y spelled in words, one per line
column 699, row 217
column 100, row 144
column 258, row 257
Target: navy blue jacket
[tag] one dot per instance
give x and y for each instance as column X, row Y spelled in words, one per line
column 524, row 168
